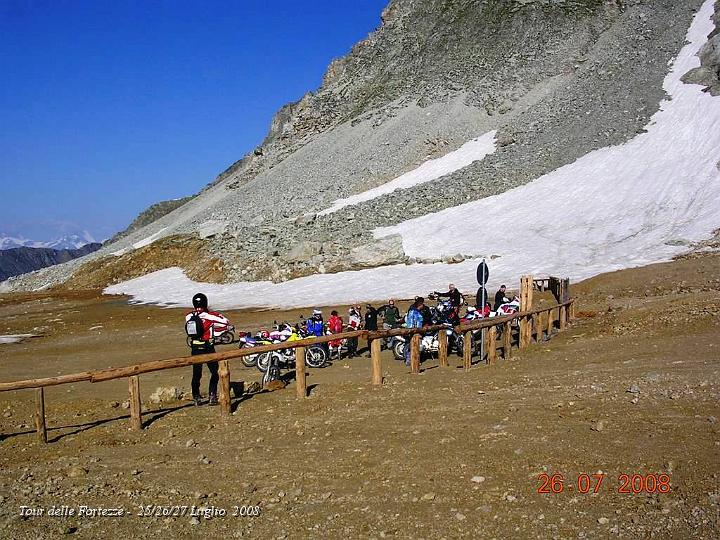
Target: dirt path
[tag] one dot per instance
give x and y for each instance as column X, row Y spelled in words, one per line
column 441, row 454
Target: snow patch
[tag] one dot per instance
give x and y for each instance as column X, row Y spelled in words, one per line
column 473, row 150
column 628, row 205
column 140, row 243
column 70, row 241
column 15, row 338
column 171, row 287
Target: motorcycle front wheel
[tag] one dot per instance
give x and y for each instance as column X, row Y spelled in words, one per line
column 263, row 359
column 459, row 345
column 315, row 357
column 399, row 350
column 226, row 338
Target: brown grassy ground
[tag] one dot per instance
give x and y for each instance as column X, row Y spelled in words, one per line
column 187, row 252
column 357, row 461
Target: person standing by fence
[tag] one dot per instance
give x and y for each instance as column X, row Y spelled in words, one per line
column 335, row 326
column 500, row 297
column 354, row 323
column 199, row 327
column 315, row 325
column 371, row 316
column 413, row 319
column 390, row 314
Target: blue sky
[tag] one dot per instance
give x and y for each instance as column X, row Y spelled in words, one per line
column 109, row 106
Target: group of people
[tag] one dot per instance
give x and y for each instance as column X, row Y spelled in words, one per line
column 199, row 326
column 390, row 314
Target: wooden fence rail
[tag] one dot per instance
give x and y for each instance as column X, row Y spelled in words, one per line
column 529, row 322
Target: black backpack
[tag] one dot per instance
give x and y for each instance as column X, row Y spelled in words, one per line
column 194, row 327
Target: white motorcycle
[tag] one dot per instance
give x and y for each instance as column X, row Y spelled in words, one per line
column 429, row 344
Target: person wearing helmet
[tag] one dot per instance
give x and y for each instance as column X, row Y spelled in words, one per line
column 203, row 342
column 315, row 325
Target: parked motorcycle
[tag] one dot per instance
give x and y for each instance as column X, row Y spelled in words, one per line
column 260, row 338
column 224, row 334
column 472, row 315
column 508, row 308
column 429, row 343
column 316, row 356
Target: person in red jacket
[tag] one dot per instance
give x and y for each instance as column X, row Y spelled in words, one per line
column 204, row 343
column 335, row 325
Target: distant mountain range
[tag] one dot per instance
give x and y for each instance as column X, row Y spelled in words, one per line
column 21, row 260
column 70, row 241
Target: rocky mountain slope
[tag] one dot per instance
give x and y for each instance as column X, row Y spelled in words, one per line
column 21, row 260
column 149, row 215
column 555, row 79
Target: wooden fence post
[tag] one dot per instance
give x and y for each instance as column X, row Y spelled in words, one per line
column 549, row 323
column 507, row 340
column 225, row 403
column 40, row 414
column 375, row 346
column 492, row 345
column 415, row 353
column 135, row 406
column 467, row 349
column 526, row 293
column 300, row 380
column 571, row 313
column 563, row 317
column 536, row 327
column 442, row 348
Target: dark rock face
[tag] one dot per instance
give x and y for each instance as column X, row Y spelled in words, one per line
column 708, row 74
column 22, row 260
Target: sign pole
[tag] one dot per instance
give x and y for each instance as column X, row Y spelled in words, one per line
column 483, row 272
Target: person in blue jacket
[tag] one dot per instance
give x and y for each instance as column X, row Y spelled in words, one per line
column 315, row 325
column 413, row 319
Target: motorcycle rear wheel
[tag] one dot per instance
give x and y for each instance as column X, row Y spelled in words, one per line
column 226, row 338
column 250, row 360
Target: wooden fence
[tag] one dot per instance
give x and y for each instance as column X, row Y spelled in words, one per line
column 533, row 324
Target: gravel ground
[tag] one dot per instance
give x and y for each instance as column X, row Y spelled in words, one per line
column 630, row 388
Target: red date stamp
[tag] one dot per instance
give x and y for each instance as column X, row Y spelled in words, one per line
column 592, row 483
